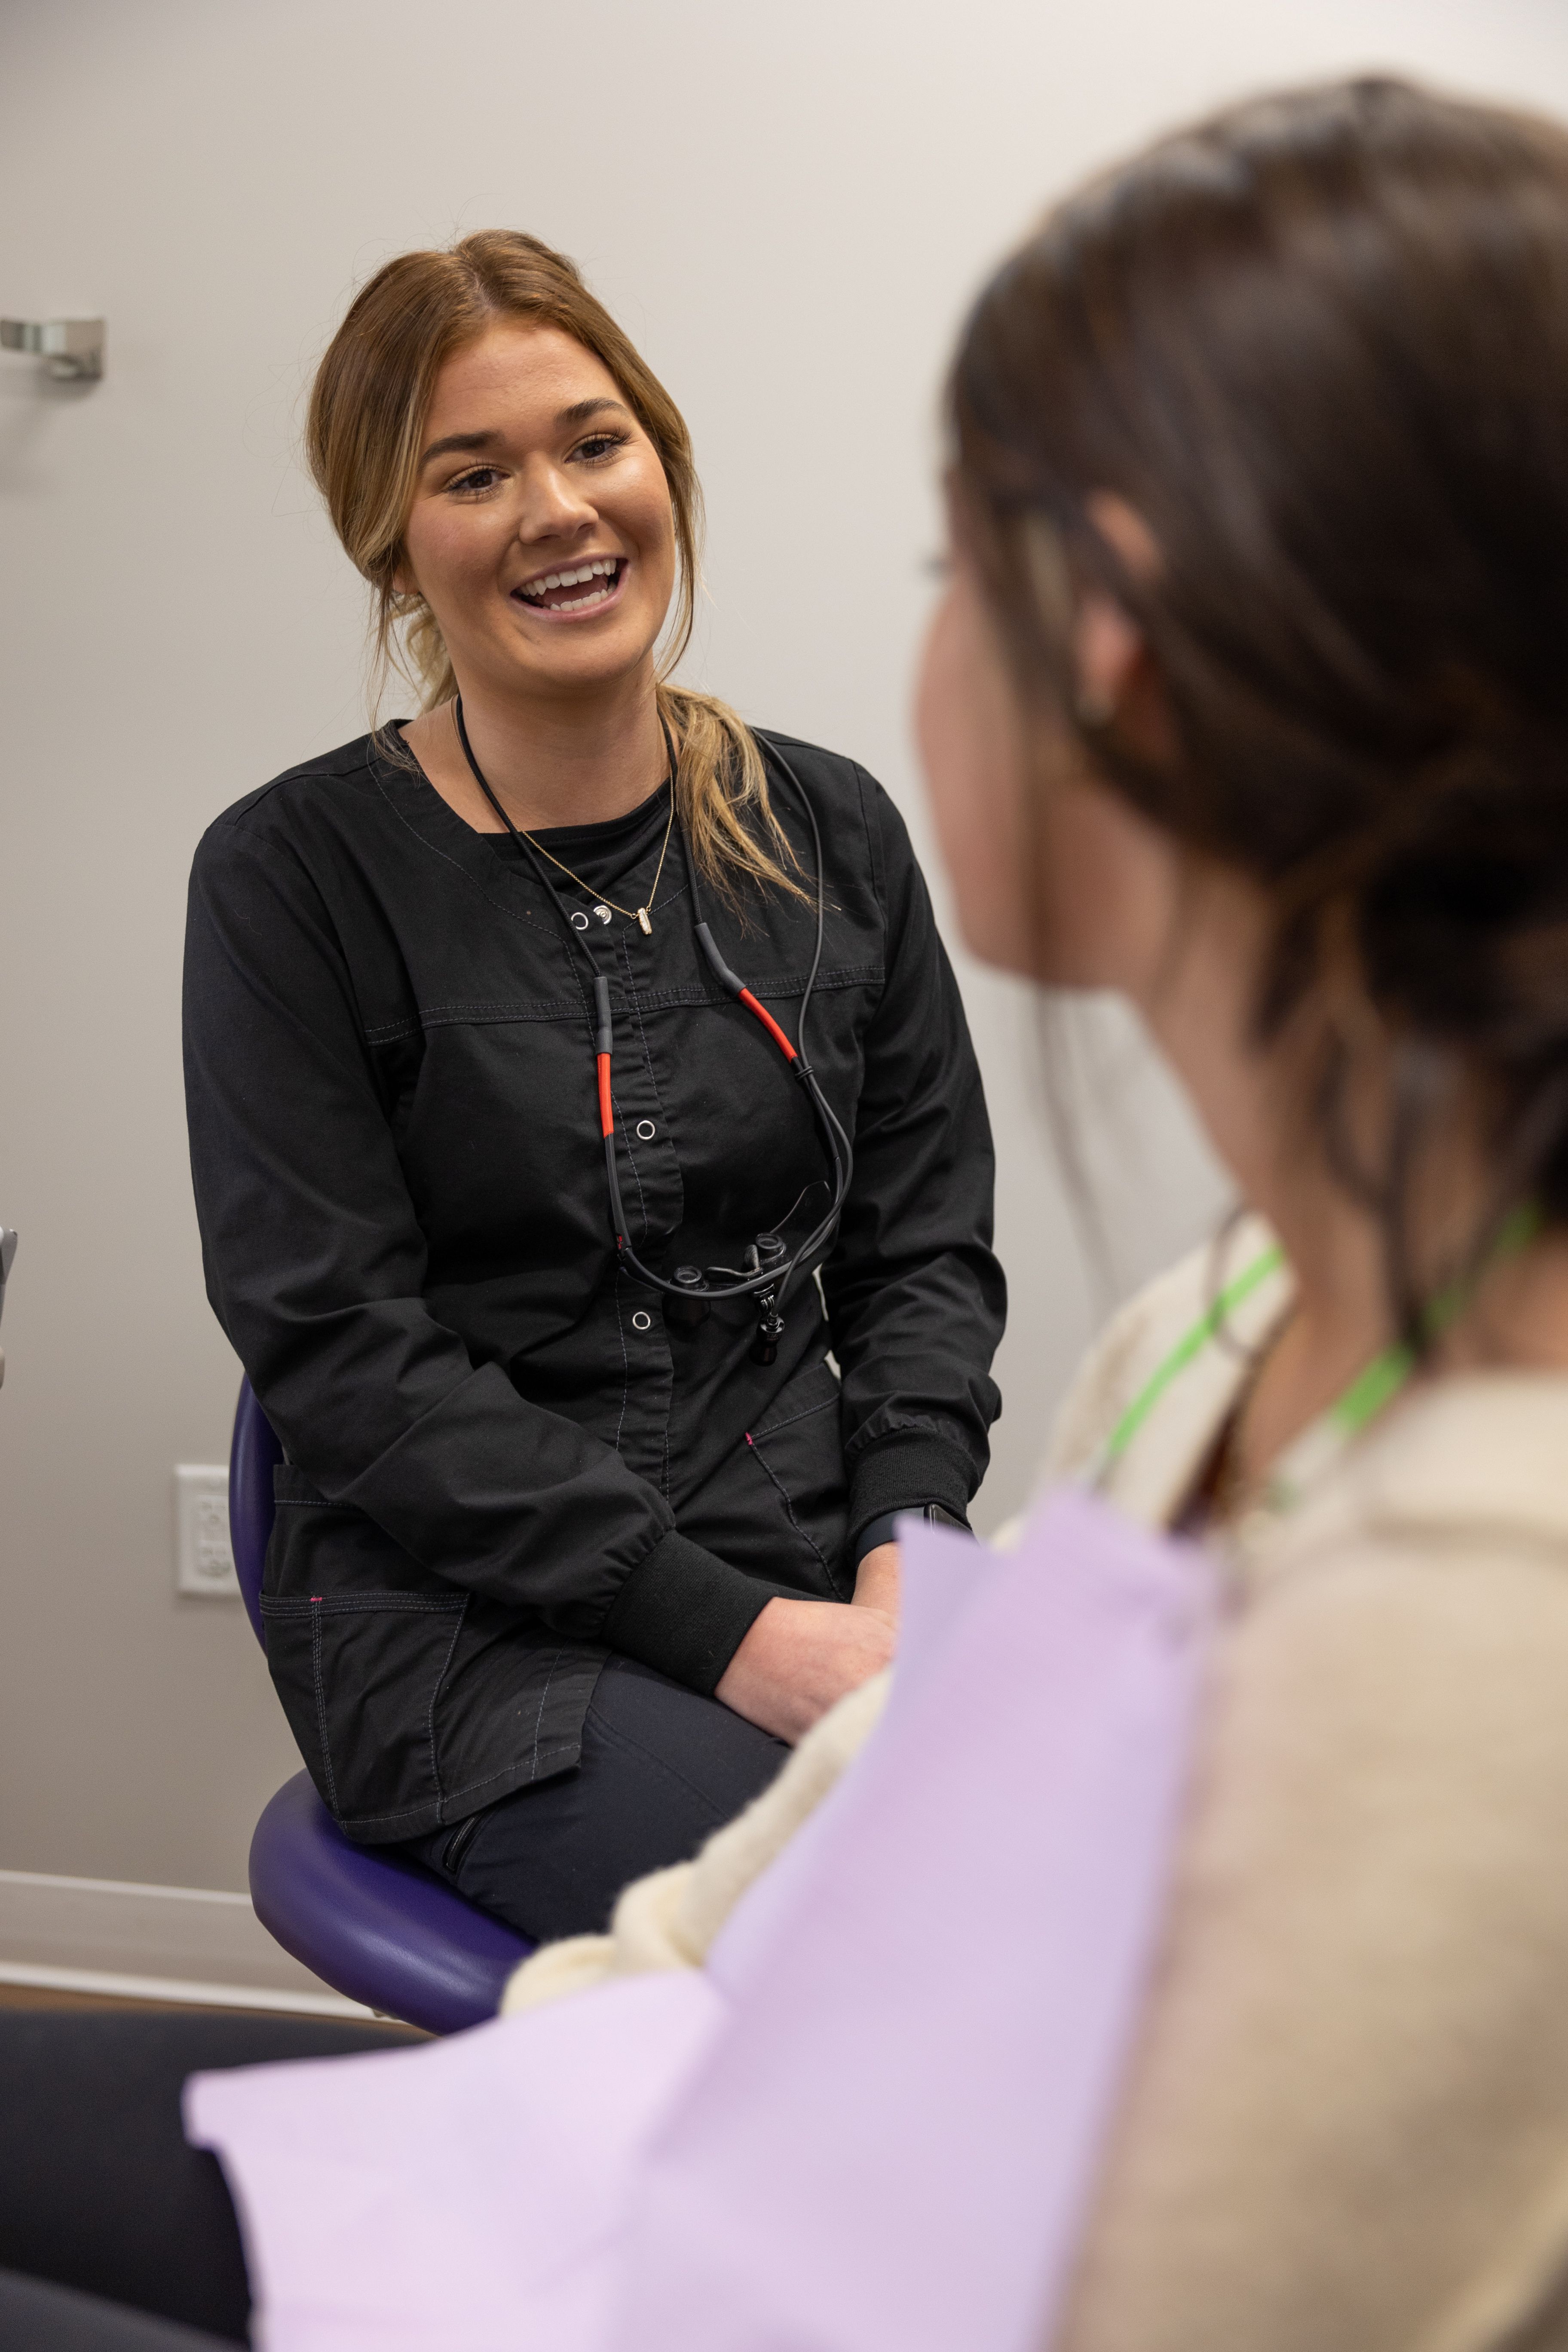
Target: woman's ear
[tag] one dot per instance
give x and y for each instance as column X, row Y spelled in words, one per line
column 1116, row 678
column 1106, row 646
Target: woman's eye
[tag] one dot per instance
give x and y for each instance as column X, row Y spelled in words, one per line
column 600, row 446
column 480, row 480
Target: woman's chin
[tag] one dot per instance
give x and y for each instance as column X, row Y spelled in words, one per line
column 576, row 662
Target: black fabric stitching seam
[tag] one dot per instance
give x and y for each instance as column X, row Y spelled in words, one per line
column 556, row 1748
column 789, row 983
column 531, row 1008
column 539, row 1718
column 653, row 1081
column 770, row 1473
column 634, row 1000
column 637, row 1172
column 402, row 1812
column 805, row 1414
column 625, row 1362
column 486, row 1013
column 435, row 1695
column 350, row 1604
column 321, row 1708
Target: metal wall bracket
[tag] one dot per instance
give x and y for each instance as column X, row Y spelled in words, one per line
column 7, row 1252
column 73, row 346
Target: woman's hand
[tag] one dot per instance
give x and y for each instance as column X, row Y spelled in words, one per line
column 801, row 1656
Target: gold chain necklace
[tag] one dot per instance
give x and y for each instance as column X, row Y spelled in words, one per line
column 631, row 914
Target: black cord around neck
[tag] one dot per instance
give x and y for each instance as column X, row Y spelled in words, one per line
column 526, row 848
column 776, row 1279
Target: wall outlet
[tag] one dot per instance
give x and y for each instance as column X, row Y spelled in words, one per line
column 204, row 1561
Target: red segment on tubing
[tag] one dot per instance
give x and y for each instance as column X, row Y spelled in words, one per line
column 606, row 1116
column 770, row 1024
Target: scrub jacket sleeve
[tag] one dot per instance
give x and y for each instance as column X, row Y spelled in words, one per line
column 915, row 1297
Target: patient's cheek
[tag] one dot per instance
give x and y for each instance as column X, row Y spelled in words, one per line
column 1079, row 887
column 970, row 747
column 1110, row 890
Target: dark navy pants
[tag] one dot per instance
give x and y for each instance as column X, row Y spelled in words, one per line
column 661, row 1769
column 115, row 2236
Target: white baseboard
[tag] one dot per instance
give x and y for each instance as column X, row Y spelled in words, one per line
column 131, row 1942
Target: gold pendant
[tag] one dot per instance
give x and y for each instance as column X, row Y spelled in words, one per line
column 642, row 918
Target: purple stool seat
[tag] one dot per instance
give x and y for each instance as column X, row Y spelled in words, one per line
column 373, row 1926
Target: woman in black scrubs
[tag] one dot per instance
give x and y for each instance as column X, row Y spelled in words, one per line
column 562, row 1556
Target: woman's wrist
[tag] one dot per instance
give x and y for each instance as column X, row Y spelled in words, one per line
column 877, row 1582
column 884, row 1529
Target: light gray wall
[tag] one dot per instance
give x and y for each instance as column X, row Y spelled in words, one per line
column 787, row 209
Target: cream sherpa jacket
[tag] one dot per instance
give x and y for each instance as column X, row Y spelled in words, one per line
column 1345, row 2125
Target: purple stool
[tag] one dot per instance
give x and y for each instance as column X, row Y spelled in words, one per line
column 369, row 1923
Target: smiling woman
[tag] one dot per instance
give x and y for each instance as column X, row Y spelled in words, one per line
column 590, row 1485
column 489, row 378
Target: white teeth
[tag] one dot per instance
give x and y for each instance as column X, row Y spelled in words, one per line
column 576, row 603
column 602, row 568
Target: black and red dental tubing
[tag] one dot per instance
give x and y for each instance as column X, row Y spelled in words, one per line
column 767, row 1282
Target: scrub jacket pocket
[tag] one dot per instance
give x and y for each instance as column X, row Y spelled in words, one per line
column 412, row 1701
column 346, row 1665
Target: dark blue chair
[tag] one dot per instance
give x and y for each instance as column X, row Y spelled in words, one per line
column 369, row 1923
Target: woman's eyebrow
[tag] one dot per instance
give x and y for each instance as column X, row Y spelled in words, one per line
column 455, row 441
column 578, row 414
column 582, row 410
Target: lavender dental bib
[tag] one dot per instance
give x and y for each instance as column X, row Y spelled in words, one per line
column 873, row 2122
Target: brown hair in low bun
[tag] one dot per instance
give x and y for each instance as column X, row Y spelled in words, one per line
column 1319, row 343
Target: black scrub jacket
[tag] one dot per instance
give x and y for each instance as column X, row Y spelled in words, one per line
column 503, row 1462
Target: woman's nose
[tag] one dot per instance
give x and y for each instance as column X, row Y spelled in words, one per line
column 551, row 505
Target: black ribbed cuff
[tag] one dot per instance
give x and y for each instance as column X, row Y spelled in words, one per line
column 685, row 1613
column 904, row 1469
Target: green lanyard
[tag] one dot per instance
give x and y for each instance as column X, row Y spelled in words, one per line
column 1371, row 1390
column 1182, row 1355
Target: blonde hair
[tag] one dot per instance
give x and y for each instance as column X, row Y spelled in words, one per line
column 368, row 405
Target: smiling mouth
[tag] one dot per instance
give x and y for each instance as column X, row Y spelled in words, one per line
column 574, row 587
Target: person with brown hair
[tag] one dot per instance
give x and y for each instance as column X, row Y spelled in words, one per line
column 1248, row 699
column 508, row 1202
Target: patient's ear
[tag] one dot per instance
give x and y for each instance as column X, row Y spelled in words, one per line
column 1105, row 648
column 1117, row 683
